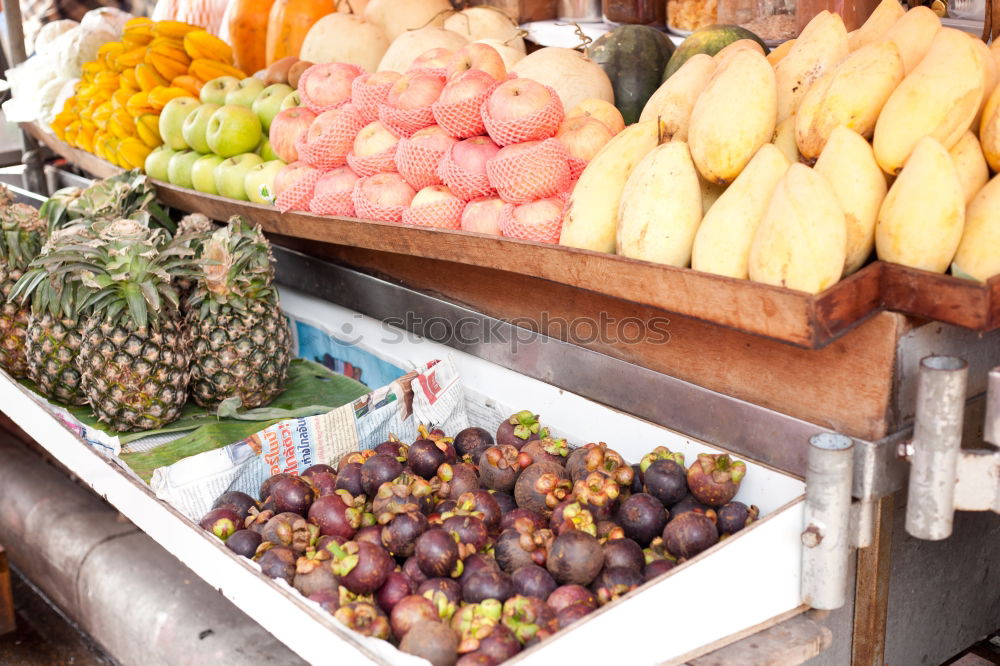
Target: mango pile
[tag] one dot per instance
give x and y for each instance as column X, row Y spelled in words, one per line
column 115, row 110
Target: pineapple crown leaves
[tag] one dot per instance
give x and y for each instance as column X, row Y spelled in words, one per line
column 22, row 232
column 48, row 287
column 128, row 195
column 235, row 268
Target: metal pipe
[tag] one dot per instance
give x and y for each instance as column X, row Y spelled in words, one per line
column 937, row 437
column 34, row 177
column 826, row 524
column 991, row 424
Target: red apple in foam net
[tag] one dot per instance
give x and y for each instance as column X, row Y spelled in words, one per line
column 583, row 137
column 516, row 99
column 472, row 154
column 289, row 175
column 336, row 181
column 433, row 138
column 538, row 214
column 387, row 189
column 483, row 215
column 481, row 57
column 432, row 59
column 373, row 139
column 414, row 90
column 326, row 120
column 286, row 128
column 467, row 85
column 329, row 83
column 433, row 194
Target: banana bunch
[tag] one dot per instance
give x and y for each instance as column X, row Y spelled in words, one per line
column 115, row 110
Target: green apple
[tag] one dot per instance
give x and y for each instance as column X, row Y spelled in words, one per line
column 230, row 175
column 259, row 181
column 203, row 173
column 195, row 126
column 268, row 102
column 215, row 91
column 157, row 161
column 179, row 168
column 232, row 130
column 265, row 151
column 172, row 119
column 291, row 101
column 246, row 92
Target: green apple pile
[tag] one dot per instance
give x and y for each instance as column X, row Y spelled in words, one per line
column 218, row 144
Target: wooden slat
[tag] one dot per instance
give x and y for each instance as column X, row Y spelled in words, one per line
column 789, row 643
column 871, row 594
column 941, row 297
column 7, row 619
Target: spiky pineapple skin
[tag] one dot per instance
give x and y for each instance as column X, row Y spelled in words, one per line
column 135, row 379
column 239, row 354
column 52, row 348
column 13, row 326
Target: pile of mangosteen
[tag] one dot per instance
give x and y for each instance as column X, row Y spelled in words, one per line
column 468, row 550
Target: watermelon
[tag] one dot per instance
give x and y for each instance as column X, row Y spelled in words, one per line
column 632, row 56
column 711, row 39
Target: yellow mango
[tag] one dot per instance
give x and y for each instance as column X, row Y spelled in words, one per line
column 848, row 164
column 730, row 49
column 722, row 138
column 878, row 24
column 977, row 255
column 920, row 222
column 591, row 217
column 851, row 94
column 990, row 77
column 710, row 193
column 970, row 165
column 940, row 98
column 784, row 139
column 660, row 207
column 913, row 34
column 673, row 101
column 821, row 45
column 801, row 240
column 989, row 130
column 722, row 244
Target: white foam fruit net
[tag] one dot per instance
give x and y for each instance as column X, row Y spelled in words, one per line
column 539, row 125
column 539, row 172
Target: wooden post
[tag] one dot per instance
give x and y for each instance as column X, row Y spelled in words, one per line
column 871, row 598
column 34, row 177
column 7, row 619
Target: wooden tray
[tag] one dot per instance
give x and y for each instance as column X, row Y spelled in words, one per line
column 794, row 317
column 943, row 298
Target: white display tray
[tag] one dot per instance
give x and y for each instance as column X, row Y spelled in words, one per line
column 740, row 585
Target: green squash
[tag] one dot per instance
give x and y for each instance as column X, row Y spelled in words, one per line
column 709, row 40
column 633, row 56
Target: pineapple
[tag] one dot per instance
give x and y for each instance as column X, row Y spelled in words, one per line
column 192, row 231
column 134, row 359
column 126, row 195
column 22, row 232
column 239, row 339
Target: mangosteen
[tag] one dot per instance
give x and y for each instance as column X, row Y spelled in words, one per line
column 222, row 522
column 313, row 573
column 690, row 533
column 377, row 470
column 292, row 530
column 504, row 500
column 510, row 517
column 528, row 616
column 349, row 479
column 449, row 588
column 689, row 503
column 571, row 614
column 265, row 488
column 400, row 534
column 623, row 553
column 437, row 554
column 472, row 442
column 324, row 541
column 599, row 458
column 329, row 600
column 258, row 519
column 334, row 517
column 714, row 478
column 519, row 429
column 522, row 545
column 474, row 622
column 484, row 504
column 541, row 486
column 475, row 563
column 656, row 568
column 734, row 516
column 364, row 618
column 358, row 457
column 244, row 542
column 278, row 562
column 570, row 515
column 642, row 518
column 425, row 456
column 362, row 567
column 393, row 447
column 657, row 550
column 570, row 595
column 660, row 453
column 324, row 483
column 553, row 450
column 607, row 530
column 532, row 580
column 318, row 467
column 412, row 569
column 575, row 557
column 500, row 644
column 369, row 534
column 239, row 502
column 598, row 494
column 487, row 585
column 615, row 582
column 406, row 492
column 444, row 506
column 499, row 467
column 396, row 586
column 478, row 659
column 637, row 479
column 432, row 641
column 666, row 481
column 293, row 495
column 456, row 479
column 469, row 531
column 409, row 611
